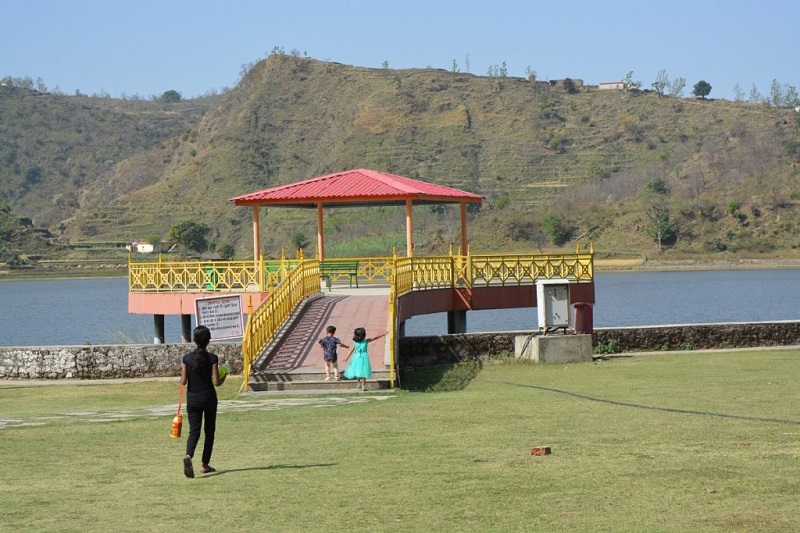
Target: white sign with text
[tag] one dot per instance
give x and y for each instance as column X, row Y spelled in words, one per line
column 222, row 315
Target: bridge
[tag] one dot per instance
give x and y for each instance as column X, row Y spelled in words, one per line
column 288, row 304
column 281, row 297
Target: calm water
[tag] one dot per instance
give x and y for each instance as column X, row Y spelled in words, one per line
column 94, row 311
column 658, row 298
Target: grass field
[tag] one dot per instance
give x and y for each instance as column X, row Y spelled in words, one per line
column 672, row 442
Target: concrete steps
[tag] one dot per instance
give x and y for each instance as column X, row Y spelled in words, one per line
column 302, row 379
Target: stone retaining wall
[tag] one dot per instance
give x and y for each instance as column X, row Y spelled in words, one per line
column 101, row 362
column 144, row 360
column 444, row 349
column 698, row 337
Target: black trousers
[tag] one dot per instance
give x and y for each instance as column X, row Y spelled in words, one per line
column 196, row 409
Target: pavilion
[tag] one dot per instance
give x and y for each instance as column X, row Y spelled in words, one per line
column 357, row 188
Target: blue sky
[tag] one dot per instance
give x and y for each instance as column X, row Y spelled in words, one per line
column 146, row 47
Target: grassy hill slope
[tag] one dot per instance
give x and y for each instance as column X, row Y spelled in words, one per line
column 59, row 154
column 609, row 167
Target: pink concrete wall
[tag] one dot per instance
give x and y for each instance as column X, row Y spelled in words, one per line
column 144, row 303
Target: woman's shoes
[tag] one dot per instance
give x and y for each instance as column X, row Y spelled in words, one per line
column 188, row 470
column 208, row 469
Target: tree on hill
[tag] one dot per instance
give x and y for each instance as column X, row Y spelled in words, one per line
column 701, row 89
column 190, row 234
column 171, row 97
column 630, row 84
column 299, row 240
column 661, row 83
column 662, row 229
column 677, row 86
column 558, row 230
column 226, row 251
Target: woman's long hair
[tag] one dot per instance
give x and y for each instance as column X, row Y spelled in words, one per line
column 359, row 334
column 201, row 337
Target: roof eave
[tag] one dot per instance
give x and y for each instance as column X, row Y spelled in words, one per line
column 343, row 202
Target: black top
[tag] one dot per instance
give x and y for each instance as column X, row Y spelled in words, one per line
column 199, row 381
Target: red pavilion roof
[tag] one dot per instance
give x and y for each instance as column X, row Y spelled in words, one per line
column 356, row 187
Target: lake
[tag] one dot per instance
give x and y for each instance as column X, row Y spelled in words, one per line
column 94, row 311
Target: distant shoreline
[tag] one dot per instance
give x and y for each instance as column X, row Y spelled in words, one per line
column 6, row 275
column 645, row 264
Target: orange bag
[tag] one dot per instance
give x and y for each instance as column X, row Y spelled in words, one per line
column 177, row 422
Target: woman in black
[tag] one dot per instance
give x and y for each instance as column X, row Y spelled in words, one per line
column 199, row 368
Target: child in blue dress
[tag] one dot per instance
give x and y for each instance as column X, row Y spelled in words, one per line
column 359, row 368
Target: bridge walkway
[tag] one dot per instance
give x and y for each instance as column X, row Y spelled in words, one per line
column 296, row 359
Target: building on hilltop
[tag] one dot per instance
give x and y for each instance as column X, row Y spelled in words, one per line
column 611, row 86
column 146, row 247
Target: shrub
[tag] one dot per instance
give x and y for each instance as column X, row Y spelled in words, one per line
column 226, row 251
column 557, row 229
column 171, row 97
column 610, row 346
column 707, row 209
column 657, row 186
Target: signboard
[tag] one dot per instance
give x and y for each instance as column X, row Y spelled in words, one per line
column 220, row 314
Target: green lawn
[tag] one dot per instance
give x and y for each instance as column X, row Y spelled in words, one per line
column 673, row 442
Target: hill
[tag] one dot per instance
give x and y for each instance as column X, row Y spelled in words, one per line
column 20, row 242
column 633, row 172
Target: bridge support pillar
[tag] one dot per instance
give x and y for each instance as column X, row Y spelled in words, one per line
column 186, row 328
column 158, row 329
column 456, row 322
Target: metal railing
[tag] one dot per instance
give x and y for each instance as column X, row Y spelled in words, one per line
column 292, row 281
column 267, row 319
column 207, row 276
column 422, row 273
column 370, row 269
column 426, row 273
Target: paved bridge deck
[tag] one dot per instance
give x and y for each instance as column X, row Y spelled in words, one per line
column 344, row 308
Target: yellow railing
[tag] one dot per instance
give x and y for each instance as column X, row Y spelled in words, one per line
column 207, row 276
column 374, row 270
column 425, row 273
column 526, row 269
column 291, row 281
column 274, row 311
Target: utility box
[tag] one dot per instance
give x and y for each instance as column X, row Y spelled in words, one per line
column 552, row 297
